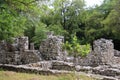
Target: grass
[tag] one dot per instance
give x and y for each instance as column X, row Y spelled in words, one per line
column 10, row 75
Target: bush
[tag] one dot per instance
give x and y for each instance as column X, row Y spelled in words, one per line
column 75, row 49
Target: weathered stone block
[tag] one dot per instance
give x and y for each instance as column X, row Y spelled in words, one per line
column 102, row 54
column 51, row 48
column 103, row 51
column 32, row 46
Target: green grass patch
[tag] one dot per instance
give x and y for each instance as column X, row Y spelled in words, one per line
column 10, row 75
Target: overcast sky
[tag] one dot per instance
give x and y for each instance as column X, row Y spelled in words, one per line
column 91, row 3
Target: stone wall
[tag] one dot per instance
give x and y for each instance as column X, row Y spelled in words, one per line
column 103, row 59
column 116, row 53
column 104, row 72
column 104, row 51
column 110, row 72
column 53, row 65
column 18, row 52
column 21, row 43
column 25, row 69
column 51, row 48
column 30, row 56
column 103, row 54
column 6, row 54
column 61, row 65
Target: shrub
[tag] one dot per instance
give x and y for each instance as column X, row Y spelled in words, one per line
column 75, row 49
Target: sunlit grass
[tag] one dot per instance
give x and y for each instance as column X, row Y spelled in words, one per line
column 10, row 75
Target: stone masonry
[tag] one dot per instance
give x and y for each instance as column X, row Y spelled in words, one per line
column 103, row 53
column 21, row 43
column 103, row 59
column 51, row 48
column 18, row 52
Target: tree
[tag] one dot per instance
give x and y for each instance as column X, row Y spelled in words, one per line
column 112, row 21
column 93, row 27
column 13, row 17
column 67, row 13
column 98, row 22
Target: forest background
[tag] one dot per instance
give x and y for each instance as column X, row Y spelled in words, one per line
column 80, row 25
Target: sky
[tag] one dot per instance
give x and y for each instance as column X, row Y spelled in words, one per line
column 91, row 3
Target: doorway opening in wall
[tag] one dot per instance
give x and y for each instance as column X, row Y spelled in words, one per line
column 116, row 44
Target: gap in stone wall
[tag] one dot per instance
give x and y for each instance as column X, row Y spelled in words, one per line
column 116, row 44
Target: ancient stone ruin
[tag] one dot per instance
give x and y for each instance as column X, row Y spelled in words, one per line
column 51, row 48
column 18, row 52
column 103, row 53
column 22, row 56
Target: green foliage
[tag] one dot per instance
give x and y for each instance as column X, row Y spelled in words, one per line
column 40, row 34
column 57, row 29
column 11, row 25
column 84, row 50
column 33, row 18
column 74, row 48
column 13, row 17
column 66, row 13
column 112, row 23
